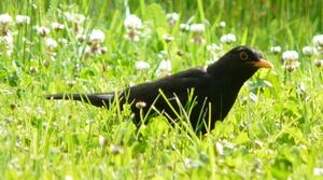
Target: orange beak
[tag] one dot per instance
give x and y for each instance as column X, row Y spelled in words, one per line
column 262, row 63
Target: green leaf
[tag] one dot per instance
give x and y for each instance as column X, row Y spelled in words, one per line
column 156, row 14
column 241, row 138
column 13, row 79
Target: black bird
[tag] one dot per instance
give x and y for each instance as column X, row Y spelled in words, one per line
column 208, row 93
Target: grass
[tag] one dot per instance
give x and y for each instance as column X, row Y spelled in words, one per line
column 274, row 130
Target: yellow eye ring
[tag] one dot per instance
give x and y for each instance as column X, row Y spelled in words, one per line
column 244, row 56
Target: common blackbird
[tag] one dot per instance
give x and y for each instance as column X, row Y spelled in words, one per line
column 201, row 95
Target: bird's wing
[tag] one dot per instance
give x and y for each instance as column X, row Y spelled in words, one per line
column 169, row 95
column 178, row 84
column 196, row 72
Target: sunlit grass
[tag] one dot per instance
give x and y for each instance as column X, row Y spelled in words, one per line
column 274, row 130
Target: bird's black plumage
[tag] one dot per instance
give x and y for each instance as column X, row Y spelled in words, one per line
column 213, row 90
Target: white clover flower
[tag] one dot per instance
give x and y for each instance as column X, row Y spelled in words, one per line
column 102, row 141
column 63, row 41
column 291, row 66
column 219, row 148
column 215, row 52
column 162, row 54
column 116, row 149
column 80, row 37
column 42, row 31
column 228, row 38
column 165, row 65
column 319, row 63
column 50, row 43
column 253, row 97
column 3, row 131
column 164, row 68
column 33, row 70
column 68, row 177
column 191, row 164
column 96, row 36
column 57, row 26
column 228, row 144
column 197, row 28
column 318, row 171
column 14, row 162
column 275, row 49
column 22, row 19
column 142, row 65
column 308, row 50
column 222, row 24
column 5, row 20
column 318, row 40
column 7, row 40
column 290, row 55
column 133, row 35
column 140, row 104
column 95, row 49
column 259, row 143
column 168, row 38
column 133, row 26
column 79, row 18
column 184, row 27
column 214, row 48
column 74, row 17
column 133, row 22
column 72, row 82
column 172, row 18
column 40, row 111
column 290, row 60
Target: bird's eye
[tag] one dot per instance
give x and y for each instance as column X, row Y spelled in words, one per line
column 243, row 56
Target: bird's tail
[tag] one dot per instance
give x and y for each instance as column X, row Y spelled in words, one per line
column 99, row 100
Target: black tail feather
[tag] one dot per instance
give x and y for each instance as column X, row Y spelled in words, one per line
column 99, row 100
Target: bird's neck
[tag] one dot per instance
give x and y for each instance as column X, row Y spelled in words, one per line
column 232, row 77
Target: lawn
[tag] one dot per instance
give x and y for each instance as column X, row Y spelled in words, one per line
column 274, row 130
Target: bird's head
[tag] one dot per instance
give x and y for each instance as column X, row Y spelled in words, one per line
column 240, row 63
